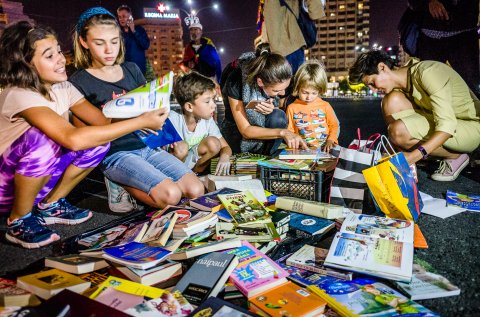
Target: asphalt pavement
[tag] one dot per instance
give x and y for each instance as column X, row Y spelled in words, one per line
column 453, row 242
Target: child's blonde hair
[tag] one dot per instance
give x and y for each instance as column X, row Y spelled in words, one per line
column 90, row 18
column 310, row 74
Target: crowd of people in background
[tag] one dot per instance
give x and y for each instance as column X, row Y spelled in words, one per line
column 54, row 133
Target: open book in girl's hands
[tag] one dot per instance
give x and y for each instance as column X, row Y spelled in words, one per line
column 151, row 96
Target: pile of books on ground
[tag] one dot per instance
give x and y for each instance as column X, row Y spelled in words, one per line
column 217, row 256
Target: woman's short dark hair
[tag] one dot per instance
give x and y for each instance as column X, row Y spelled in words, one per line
column 17, row 48
column 271, row 68
column 367, row 64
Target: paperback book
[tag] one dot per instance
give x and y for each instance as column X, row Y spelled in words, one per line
column 470, row 202
column 137, row 255
column 207, row 276
column 217, row 307
column 245, row 208
column 168, row 305
column 153, row 275
column 210, row 201
column 12, row 295
column 308, row 226
column 304, row 154
column 309, row 207
column 287, row 164
column 262, row 232
column 129, row 287
column 192, row 249
column 256, row 272
column 75, row 263
column 312, row 258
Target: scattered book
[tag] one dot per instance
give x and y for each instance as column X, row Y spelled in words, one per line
column 256, row 272
column 160, row 229
column 187, row 231
column 210, row 201
column 312, row 258
column 308, row 154
column 287, row 164
column 426, row 284
column 192, row 250
column 245, row 208
column 306, row 278
column 75, row 263
column 255, row 187
column 223, row 215
column 153, row 275
column 129, row 287
column 287, row 299
column 470, row 202
column 214, row 306
column 207, row 276
column 371, row 255
column 211, row 181
column 309, row 207
column 365, row 296
column 308, row 226
column 45, row 284
column 119, row 300
column 137, row 255
column 168, row 305
column 281, row 217
column 12, row 295
column 262, row 232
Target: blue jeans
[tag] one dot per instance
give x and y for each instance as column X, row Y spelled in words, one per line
column 143, row 168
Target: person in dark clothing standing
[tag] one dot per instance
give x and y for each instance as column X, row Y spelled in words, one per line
column 449, row 34
column 135, row 38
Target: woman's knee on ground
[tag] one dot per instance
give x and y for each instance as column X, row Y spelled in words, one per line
column 276, row 120
column 209, row 146
column 191, row 186
column 399, row 135
column 166, row 193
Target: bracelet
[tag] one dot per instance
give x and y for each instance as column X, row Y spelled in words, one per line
column 423, row 151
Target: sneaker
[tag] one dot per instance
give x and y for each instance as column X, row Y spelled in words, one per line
column 62, row 212
column 119, row 200
column 450, row 169
column 30, row 232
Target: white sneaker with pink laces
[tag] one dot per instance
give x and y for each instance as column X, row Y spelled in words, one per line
column 450, row 169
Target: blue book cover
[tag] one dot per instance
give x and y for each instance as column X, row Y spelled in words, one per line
column 137, row 253
column 167, row 135
column 307, row 278
column 224, row 215
column 310, row 225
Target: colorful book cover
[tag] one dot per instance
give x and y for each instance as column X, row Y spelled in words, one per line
column 136, row 254
column 103, row 239
column 224, row 215
column 378, row 257
column 187, row 251
column 127, row 286
column 286, row 164
column 156, row 227
column 151, row 96
column 368, row 297
column 165, row 136
column 119, row 300
column 210, row 201
column 256, row 272
column 308, row 154
column 313, row 258
column 262, row 232
column 470, row 202
column 379, row 227
column 307, row 278
column 167, row 305
column 217, row 307
column 309, row 225
column 245, row 208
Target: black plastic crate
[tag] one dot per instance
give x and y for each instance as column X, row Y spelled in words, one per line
column 306, row 184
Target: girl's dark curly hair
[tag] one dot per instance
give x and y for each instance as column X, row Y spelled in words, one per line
column 17, row 47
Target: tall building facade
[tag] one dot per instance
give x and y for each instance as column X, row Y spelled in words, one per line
column 165, row 31
column 342, row 35
column 11, row 11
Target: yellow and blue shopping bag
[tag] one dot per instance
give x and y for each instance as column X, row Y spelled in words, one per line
column 393, row 187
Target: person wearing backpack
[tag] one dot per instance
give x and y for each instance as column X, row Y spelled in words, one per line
column 282, row 31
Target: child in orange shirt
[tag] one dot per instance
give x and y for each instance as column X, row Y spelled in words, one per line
column 309, row 116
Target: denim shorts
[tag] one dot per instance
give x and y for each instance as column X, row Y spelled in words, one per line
column 143, row 168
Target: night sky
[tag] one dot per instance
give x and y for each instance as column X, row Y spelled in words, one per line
column 232, row 27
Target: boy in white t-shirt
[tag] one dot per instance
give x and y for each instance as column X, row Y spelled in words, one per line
column 201, row 136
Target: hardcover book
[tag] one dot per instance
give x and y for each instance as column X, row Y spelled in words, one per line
column 367, row 297
column 153, row 275
column 245, row 208
column 427, row 284
column 309, row 207
column 262, row 232
column 214, row 306
column 45, row 284
column 306, row 225
column 207, row 276
column 75, row 263
column 312, row 259
column 192, row 250
column 256, row 272
column 210, row 201
column 288, row 299
column 370, row 255
column 137, row 255
column 11, row 295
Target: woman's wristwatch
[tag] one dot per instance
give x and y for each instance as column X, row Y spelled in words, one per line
column 423, row 151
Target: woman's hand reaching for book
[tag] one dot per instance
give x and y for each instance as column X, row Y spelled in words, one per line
column 155, row 119
column 292, row 140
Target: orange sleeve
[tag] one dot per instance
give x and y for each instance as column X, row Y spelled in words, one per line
column 291, row 126
column 332, row 123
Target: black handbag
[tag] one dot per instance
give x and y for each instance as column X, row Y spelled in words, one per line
column 409, row 31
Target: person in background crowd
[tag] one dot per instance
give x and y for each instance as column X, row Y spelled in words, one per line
column 135, row 38
column 200, row 54
column 251, row 89
column 428, row 108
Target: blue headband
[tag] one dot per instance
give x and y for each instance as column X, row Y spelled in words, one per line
column 90, row 13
